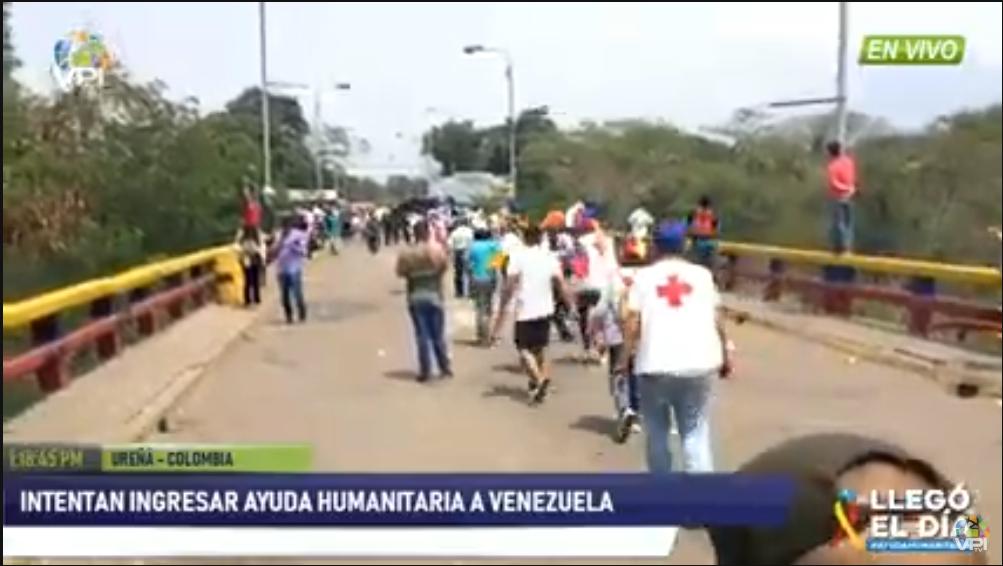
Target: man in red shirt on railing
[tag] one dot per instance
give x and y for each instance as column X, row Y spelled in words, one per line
column 252, row 209
column 842, row 176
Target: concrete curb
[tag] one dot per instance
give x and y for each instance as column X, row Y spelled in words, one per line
column 947, row 375
column 148, row 419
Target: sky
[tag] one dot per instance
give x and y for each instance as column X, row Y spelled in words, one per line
column 691, row 64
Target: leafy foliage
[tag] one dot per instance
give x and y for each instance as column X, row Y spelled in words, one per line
column 931, row 194
column 99, row 179
column 460, row 147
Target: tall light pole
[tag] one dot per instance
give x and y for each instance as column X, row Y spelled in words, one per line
column 512, row 160
column 841, row 99
column 318, row 121
column 841, row 113
column 266, row 146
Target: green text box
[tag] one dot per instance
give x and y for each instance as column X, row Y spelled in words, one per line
column 163, row 458
column 912, row 50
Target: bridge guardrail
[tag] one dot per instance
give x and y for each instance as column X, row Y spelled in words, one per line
column 839, row 285
column 138, row 296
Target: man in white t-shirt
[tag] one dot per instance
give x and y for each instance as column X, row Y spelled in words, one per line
column 533, row 274
column 675, row 328
column 640, row 222
column 600, row 264
column 459, row 241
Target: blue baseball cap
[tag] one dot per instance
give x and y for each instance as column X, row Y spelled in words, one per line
column 670, row 237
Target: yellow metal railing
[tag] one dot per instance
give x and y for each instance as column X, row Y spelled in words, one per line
column 969, row 274
column 224, row 259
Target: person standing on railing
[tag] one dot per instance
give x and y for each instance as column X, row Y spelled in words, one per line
column 291, row 252
column 251, row 246
column 252, row 208
column 842, row 179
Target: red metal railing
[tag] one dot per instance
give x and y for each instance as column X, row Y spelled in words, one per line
column 143, row 299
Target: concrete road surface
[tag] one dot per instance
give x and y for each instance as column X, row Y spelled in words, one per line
column 344, row 382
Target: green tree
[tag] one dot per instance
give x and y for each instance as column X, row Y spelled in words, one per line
column 292, row 161
column 10, row 60
column 456, row 145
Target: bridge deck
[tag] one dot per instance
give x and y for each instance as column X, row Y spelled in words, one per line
column 343, row 383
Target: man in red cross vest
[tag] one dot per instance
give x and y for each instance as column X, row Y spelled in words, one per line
column 674, row 327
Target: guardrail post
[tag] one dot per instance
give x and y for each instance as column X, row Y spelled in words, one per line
column 775, row 286
column 54, row 374
column 107, row 345
column 836, row 298
column 146, row 323
column 729, row 274
column 920, row 310
column 176, row 309
column 194, row 274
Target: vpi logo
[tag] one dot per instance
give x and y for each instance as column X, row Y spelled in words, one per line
column 80, row 58
column 971, row 534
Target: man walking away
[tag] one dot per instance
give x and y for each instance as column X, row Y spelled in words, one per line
column 483, row 279
column 623, row 385
column 332, row 226
column 533, row 274
column 595, row 263
column 459, row 242
column 674, row 326
column 291, row 255
column 561, row 246
column 251, row 246
column 704, row 225
column 422, row 267
column 842, row 175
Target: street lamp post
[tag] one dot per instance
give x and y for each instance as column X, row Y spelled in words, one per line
column 319, row 135
column 266, row 146
column 509, row 76
column 841, row 76
column 841, row 98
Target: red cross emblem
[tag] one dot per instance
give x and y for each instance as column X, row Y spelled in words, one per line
column 674, row 291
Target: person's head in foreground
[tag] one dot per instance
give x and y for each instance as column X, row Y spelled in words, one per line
column 705, row 202
column 421, row 231
column 532, row 236
column 821, row 466
column 834, row 149
column 670, row 239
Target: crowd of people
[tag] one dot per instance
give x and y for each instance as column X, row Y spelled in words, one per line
column 644, row 303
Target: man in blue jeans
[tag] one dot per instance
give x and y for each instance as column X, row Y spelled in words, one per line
column 293, row 249
column 674, row 327
column 422, row 266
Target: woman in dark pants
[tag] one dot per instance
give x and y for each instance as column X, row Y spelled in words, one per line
column 252, row 261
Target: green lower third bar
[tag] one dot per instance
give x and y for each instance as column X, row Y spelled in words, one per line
column 160, row 458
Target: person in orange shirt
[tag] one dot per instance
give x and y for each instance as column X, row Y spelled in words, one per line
column 842, row 176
